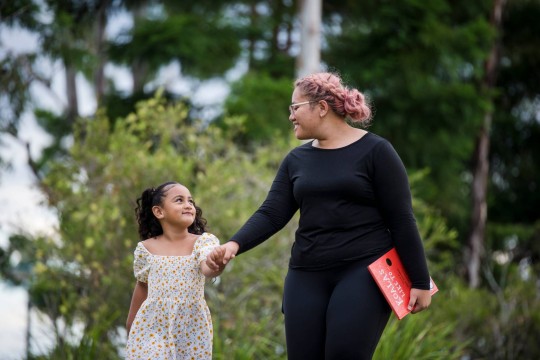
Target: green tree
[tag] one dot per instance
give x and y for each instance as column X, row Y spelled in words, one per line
column 84, row 275
column 263, row 101
column 73, row 34
column 515, row 137
column 419, row 63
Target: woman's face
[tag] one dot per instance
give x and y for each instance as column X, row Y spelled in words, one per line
column 303, row 116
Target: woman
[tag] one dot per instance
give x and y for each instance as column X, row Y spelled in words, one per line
column 354, row 199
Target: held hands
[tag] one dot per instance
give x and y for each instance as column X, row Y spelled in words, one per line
column 214, row 260
column 420, row 300
column 221, row 255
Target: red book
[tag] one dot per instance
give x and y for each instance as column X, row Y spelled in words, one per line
column 392, row 279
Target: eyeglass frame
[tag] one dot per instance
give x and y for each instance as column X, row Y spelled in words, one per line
column 292, row 109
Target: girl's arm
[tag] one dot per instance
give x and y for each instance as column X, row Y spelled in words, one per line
column 139, row 295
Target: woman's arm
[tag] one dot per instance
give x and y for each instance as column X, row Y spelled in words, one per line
column 274, row 213
column 395, row 202
column 139, row 295
column 391, row 186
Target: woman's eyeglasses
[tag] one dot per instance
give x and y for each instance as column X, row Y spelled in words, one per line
column 294, row 107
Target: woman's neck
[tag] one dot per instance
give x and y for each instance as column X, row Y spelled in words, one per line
column 338, row 136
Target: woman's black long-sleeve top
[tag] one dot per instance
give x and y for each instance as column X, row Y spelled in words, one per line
column 355, row 204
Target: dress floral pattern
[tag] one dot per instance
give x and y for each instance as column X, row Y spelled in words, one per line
column 174, row 321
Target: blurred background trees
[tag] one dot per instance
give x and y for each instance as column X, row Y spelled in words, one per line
column 434, row 71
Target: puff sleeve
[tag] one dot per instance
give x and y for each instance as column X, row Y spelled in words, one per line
column 205, row 244
column 141, row 263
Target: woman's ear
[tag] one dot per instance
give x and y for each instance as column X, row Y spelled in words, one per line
column 157, row 211
column 323, row 108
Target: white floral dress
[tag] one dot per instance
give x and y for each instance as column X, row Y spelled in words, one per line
column 174, row 321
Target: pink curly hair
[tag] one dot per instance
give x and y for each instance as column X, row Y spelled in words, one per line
column 345, row 102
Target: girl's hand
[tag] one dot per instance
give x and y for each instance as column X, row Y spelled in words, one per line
column 216, row 259
column 420, row 300
column 213, row 265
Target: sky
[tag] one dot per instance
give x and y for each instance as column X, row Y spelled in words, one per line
column 20, row 211
column 22, row 207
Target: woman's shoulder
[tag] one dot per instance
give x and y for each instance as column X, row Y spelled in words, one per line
column 376, row 143
column 298, row 151
column 371, row 137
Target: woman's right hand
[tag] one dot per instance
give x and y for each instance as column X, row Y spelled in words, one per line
column 231, row 248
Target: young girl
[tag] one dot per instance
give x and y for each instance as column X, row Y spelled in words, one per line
column 168, row 317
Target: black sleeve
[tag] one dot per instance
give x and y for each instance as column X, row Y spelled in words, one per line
column 274, row 213
column 393, row 195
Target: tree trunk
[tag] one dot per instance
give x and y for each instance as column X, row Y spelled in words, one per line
column 72, row 111
column 139, row 67
column 481, row 160
column 28, row 336
column 99, row 75
column 254, row 18
column 309, row 59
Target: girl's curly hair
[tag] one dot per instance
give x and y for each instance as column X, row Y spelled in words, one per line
column 149, row 225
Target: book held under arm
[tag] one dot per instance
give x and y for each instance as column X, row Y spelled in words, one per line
column 391, row 277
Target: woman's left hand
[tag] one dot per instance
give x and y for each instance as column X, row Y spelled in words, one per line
column 420, row 300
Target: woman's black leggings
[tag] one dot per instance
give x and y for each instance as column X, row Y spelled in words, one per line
column 333, row 314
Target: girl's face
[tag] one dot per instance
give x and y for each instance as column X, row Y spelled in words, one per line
column 177, row 206
column 304, row 117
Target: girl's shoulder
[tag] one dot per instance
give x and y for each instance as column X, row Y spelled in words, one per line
column 140, row 246
column 141, row 250
column 148, row 245
column 206, row 239
column 205, row 236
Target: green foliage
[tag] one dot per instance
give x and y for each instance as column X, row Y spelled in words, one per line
column 14, row 78
column 94, row 193
column 441, row 242
column 418, row 337
column 264, row 101
column 187, row 38
column 23, row 248
column 513, row 195
column 497, row 324
column 86, row 276
column 19, row 12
